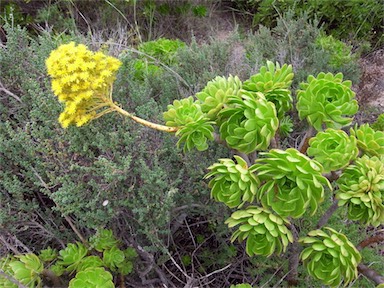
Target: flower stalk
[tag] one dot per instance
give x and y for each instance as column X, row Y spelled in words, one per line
column 143, row 121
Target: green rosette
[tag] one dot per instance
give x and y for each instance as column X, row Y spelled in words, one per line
column 292, row 182
column 215, row 95
column 326, row 100
column 266, row 233
column 369, row 141
column 249, row 122
column 27, row 270
column 361, row 189
column 233, row 184
column 195, row 128
column 72, row 256
column 331, row 257
column 273, row 81
column 270, row 77
column 95, row 277
column 334, row 149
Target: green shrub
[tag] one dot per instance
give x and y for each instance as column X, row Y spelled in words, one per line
column 294, row 40
column 344, row 19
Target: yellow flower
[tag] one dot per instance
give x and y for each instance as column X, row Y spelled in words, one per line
column 82, row 79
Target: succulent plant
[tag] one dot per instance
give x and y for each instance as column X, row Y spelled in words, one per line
column 334, row 149
column 7, row 270
column 369, row 141
column 48, row 254
column 361, row 189
column 273, row 81
column 292, row 182
column 326, row 101
column 270, row 77
column 215, row 95
column 113, row 258
column 378, row 125
column 194, row 126
column 266, row 233
column 331, row 257
column 27, row 269
column 242, row 285
column 72, row 256
column 249, row 122
column 103, row 239
column 89, row 262
column 233, row 184
column 286, row 126
column 92, row 278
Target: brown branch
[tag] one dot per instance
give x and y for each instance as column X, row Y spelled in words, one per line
column 370, row 240
column 294, row 259
column 66, row 217
column 324, row 219
column 53, row 277
column 370, row 274
column 10, row 278
column 305, row 142
column 365, row 270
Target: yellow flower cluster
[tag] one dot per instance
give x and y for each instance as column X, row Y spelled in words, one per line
column 82, row 80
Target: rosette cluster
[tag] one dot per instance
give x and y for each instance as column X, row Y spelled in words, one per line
column 195, row 128
column 274, row 82
column 82, row 80
column 233, row 184
column 249, row 122
column 334, row 149
column 326, row 101
column 331, row 257
column 361, row 189
column 266, row 233
column 215, row 95
column 369, row 141
column 292, row 182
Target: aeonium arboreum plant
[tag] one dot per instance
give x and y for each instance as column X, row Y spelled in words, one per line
column 194, row 127
column 330, row 257
column 274, row 82
column 369, row 141
column 361, row 189
column 233, row 184
column 214, row 96
column 266, row 233
column 249, row 122
column 334, row 149
column 83, row 80
column 291, row 182
column 326, row 101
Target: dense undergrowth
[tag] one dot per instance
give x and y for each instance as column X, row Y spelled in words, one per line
column 58, row 186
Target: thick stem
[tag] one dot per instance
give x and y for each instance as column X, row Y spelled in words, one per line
column 294, row 259
column 142, row 121
column 370, row 240
column 365, row 270
column 10, row 278
column 370, row 274
column 324, row 219
column 52, row 276
column 304, row 143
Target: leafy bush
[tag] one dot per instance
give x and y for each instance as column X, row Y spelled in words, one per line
column 343, row 19
column 295, row 40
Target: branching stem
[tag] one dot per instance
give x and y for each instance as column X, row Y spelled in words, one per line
column 324, row 219
column 142, row 121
